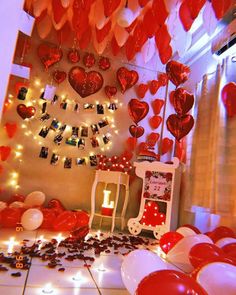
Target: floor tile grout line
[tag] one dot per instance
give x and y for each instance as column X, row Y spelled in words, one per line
column 94, row 280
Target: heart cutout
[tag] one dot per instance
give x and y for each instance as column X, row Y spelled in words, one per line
column 141, row 90
column 154, row 86
column 110, row 91
column 166, row 145
column 179, row 126
column 155, row 122
column 11, row 129
column 152, row 139
column 178, row 73
column 131, row 143
column 89, row 60
column 104, row 63
column 151, row 215
column 157, row 105
column 73, row 55
column 5, row 152
column 49, row 54
column 85, row 83
column 228, row 96
column 136, row 131
column 126, row 78
column 137, row 110
column 182, row 101
column 59, row 76
column 25, row 112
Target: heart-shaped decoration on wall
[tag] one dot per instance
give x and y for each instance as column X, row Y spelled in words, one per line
column 25, row 112
column 141, row 90
column 89, row 60
column 136, row 131
column 5, row 152
column 49, row 54
column 59, row 76
column 179, row 126
column 152, row 139
column 126, row 78
column 11, row 129
column 155, row 122
column 110, row 91
column 85, row 83
column 167, row 145
column 228, row 95
column 154, row 86
column 137, row 110
column 157, row 105
column 104, row 63
column 182, row 101
column 73, row 55
column 178, row 73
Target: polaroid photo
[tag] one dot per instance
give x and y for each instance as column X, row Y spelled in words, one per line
column 62, row 128
column 94, row 128
column 45, row 117
column 63, row 105
column 55, row 99
column 68, row 163
column 44, row 107
column 54, row 159
column 71, row 141
column 75, row 132
column 93, row 160
column 84, row 131
column 44, row 132
column 81, row 144
column 80, row 161
column 106, row 138
column 54, row 125
column 89, row 106
column 112, row 106
column 43, row 152
column 58, row 139
column 94, row 142
column 22, row 93
column 76, row 107
column 100, row 109
column 103, row 123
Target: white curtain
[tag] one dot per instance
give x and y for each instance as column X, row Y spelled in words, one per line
column 209, row 179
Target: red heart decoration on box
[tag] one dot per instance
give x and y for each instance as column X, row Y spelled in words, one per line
column 25, row 112
column 5, row 152
column 11, row 129
column 151, row 215
column 157, row 104
column 126, row 78
column 155, row 121
column 166, row 145
column 137, row 110
column 59, row 76
column 182, row 101
column 152, row 139
column 177, row 73
column 154, row 86
column 104, row 63
column 179, row 126
column 89, row 60
column 228, row 95
column 49, row 54
column 85, row 83
column 73, row 55
column 110, row 91
column 141, row 90
column 136, row 131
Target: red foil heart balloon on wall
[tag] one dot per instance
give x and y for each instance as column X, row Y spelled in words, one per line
column 25, row 112
column 228, row 95
column 59, row 76
column 182, row 101
column 104, row 63
column 152, row 139
column 110, row 91
column 154, row 86
column 141, row 90
column 155, row 121
column 85, row 83
column 179, row 126
column 11, row 129
column 136, row 131
column 177, row 73
column 137, row 110
column 126, row 78
column 49, row 54
column 157, row 105
column 166, row 145
column 89, row 60
column 73, row 55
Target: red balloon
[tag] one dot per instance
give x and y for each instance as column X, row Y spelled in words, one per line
column 104, row 63
column 142, row 3
column 168, row 240
column 169, row 282
column 11, row 216
column 154, row 86
column 162, row 79
column 114, row 46
column 59, row 76
column 49, row 54
column 155, row 121
column 110, row 6
column 180, row 150
column 73, row 55
column 160, row 11
column 165, row 54
column 16, row 198
column 157, row 105
column 85, row 38
column 101, row 34
column 194, row 228
column 56, row 205
column 11, row 129
column 220, row 7
column 25, row 112
column 110, row 91
column 49, row 215
column 222, row 232
column 5, row 152
column 140, row 37
column 178, row 73
column 185, row 16
column 167, row 145
column 129, row 48
column 65, row 221
column 228, row 95
column 136, row 131
column 204, row 252
column 230, row 249
column 131, row 143
column 152, row 139
column 162, row 38
column 137, row 110
column 141, row 90
column 58, row 10
column 126, row 78
column 150, row 23
column 179, row 126
column 194, row 7
column 82, row 219
column 182, row 101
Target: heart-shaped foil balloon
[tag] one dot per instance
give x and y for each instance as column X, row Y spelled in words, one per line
column 11, row 129
column 155, row 121
column 110, row 91
column 104, row 63
column 89, row 60
column 49, row 54
column 178, row 73
column 136, row 131
column 73, row 55
column 137, row 110
column 154, row 86
column 59, row 76
column 141, row 90
column 166, row 145
column 179, row 126
column 182, row 101
column 228, row 95
column 157, row 105
column 25, row 112
column 152, row 139
column 126, row 78
column 85, row 83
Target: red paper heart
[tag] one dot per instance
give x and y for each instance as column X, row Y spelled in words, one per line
column 166, row 145
column 59, row 76
column 136, row 131
column 152, row 139
column 110, row 91
column 49, row 54
column 162, row 79
column 25, row 112
column 89, row 60
column 157, row 104
column 137, row 110
column 179, row 126
column 110, row 6
column 177, row 73
column 154, row 86
column 104, row 63
column 228, row 95
column 11, row 129
column 73, row 55
column 5, row 152
column 126, row 78
column 155, row 121
column 131, row 143
column 182, row 101
column 85, row 83
column 141, row 90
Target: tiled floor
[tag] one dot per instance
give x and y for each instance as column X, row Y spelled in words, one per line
column 103, row 277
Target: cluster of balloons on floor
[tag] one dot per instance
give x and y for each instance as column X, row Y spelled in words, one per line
column 195, row 264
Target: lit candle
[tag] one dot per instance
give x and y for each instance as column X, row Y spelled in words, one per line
column 48, row 289
column 106, row 197
column 42, row 240
column 11, row 243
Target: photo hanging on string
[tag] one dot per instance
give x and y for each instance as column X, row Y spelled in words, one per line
column 68, row 163
column 54, row 159
column 43, row 152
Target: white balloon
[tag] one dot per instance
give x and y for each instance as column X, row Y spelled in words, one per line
column 137, row 265
column 186, row 231
column 148, row 50
column 17, row 204
column 125, row 17
column 225, row 241
column 179, row 254
column 218, row 278
column 31, row 219
column 3, row 205
column 35, row 199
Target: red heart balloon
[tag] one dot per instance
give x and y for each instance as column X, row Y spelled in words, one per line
column 110, row 6
column 171, row 97
column 103, row 32
column 220, row 7
column 180, row 150
column 89, row 60
column 195, row 6
column 49, row 54
column 25, row 112
column 179, row 126
column 5, row 152
column 110, row 91
column 169, row 239
column 85, row 83
column 104, row 63
column 137, row 110
column 82, row 219
column 49, row 215
column 155, row 121
column 65, row 221
column 177, row 73
column 141, row 90
column 166, row 145
column 160, row 11
column 56, row 205
column 11, row 129
column 126, row 78
column 154, row 86
column 228, row 95
column 59, row 76
column 182, row 101
column 73, row 55
column 11, row 217
column 162, row 79
column 150, row 23
column 157, row 105
column 152, row 139
column 136, row 131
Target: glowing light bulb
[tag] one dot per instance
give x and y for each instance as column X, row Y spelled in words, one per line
column 19, row 147
column 48, row 289
column 77, row 277
column 37, row 82
column 101, row 267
